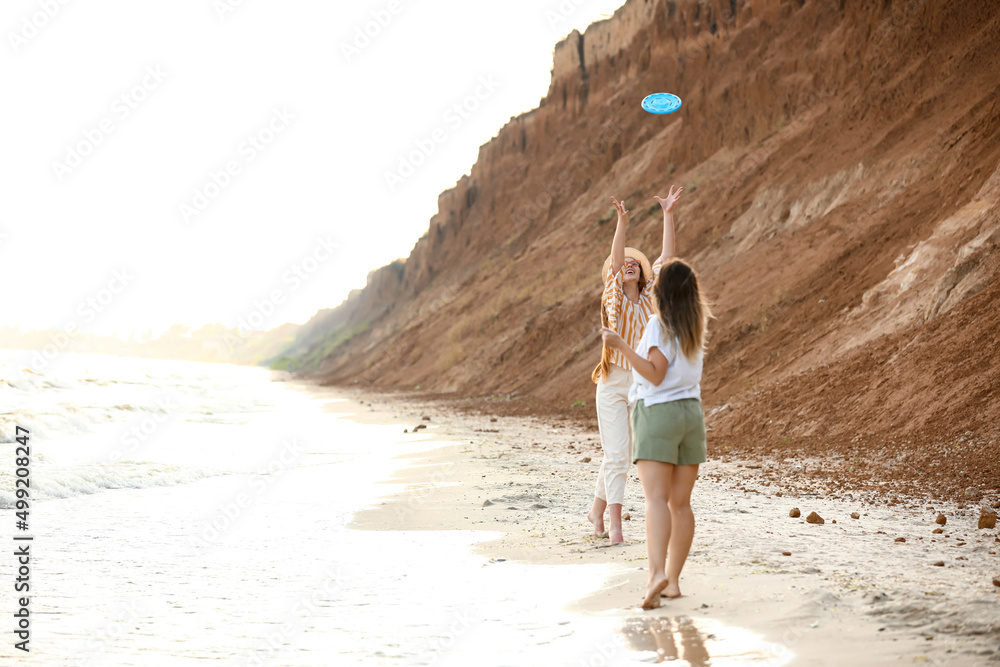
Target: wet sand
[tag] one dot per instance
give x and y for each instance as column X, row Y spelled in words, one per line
column 848, row 593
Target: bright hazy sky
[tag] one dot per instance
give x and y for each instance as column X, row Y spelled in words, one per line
column 200, row 161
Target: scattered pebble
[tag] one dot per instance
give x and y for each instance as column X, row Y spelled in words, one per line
column 487, row 502
column 585, row 459
column 940, row 563
column 941, row 519
column 786, row 553
column 815, row 518
column 996, row 581
column 938, row 531
column 626, row 517
column 900, row 539
column 987, row 519
column 493, row 419
column 418, row 427
column 834, row 521
column 426, row 418
column 795, row 513
column 855, row 515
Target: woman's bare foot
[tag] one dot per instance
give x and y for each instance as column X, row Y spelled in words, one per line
column 598, row 521
column 653, row 591
column 616, row 535
column 672, row 590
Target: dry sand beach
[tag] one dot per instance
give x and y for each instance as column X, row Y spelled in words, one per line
column 849, row 591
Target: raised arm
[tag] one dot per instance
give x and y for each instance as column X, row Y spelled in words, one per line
column 667, row 203
column 618, row 244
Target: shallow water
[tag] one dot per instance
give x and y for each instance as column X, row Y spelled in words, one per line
column 187, row 512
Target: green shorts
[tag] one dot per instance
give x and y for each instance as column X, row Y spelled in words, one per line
column 672, row 432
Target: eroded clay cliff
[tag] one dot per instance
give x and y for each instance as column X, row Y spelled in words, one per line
column 840, row 163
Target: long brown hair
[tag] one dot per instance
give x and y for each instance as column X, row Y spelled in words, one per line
column 683, row 310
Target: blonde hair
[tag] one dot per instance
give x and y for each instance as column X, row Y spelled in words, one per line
column 683, row 310
column 603, row 368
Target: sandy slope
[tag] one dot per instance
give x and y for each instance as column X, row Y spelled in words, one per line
column 847, row 594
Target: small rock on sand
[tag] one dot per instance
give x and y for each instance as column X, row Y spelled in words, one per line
column 786, row 553
column 795, row 513
column 585, row 459
column 418, row 427
column 487, row 502
column 855, row 515
column 426, row 418
column 938, row 531
column 941, row 519
column 987, row 519
column 626, row 517
column 815, row 518
column 996, row 581
column 900, row 539
column 940, row 563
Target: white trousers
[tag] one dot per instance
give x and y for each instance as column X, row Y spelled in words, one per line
column 616, row 434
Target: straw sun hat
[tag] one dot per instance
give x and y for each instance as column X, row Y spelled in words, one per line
column 647, row 270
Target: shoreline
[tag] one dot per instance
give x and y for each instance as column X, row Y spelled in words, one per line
column 848, row 593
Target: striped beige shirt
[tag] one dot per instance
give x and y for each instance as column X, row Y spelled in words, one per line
column 628, row 318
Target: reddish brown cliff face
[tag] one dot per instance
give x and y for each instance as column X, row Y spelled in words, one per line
column 840, row 164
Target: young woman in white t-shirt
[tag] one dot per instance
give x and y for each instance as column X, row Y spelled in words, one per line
column 668, row 424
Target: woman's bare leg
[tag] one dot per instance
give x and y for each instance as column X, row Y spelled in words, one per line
column 682, row 525
column 596, row 516
column 656, row 481
column 615, row 523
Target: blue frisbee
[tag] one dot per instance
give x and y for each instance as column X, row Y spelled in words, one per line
column 661, row 103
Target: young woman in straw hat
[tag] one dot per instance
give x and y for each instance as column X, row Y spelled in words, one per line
column 626, row 306
column 667, row 420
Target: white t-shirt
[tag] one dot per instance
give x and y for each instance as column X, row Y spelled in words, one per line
column 683, row 378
